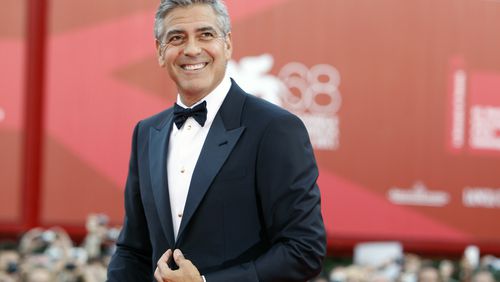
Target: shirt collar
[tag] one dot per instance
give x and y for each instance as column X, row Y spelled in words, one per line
column 214, row 99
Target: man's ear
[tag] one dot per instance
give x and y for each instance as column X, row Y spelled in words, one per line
column 229, row 45
column 160, row 52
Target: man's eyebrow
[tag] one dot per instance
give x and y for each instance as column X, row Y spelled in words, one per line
column 173, row 31
column 181, row 31
column 206, row 28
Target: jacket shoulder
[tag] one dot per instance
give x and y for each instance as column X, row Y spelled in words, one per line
column 262, row 111
column 157, row 120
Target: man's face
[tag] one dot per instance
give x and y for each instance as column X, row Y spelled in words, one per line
column 195, row 53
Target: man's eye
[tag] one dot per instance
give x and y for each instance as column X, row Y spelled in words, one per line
column 207, row 35
column 176, row 39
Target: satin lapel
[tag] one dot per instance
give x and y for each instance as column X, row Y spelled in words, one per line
column 158, row 148
column 216, row 149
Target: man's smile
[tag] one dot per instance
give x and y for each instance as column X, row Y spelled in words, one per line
column 194, row 67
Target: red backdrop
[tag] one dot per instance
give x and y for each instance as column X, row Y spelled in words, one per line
column 401, row 100
column 12, row 38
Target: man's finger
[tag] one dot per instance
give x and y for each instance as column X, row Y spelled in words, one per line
column 158, row 275
column 178, row 256
column 164, row 270
column 182, row 262
column 166, row 256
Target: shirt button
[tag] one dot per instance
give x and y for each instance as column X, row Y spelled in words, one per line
column 189, row 127
column 183, row 170
column 179, row 214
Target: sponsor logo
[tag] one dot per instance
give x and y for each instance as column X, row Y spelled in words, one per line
column 474, row 115
column 418, row 195
column 481, row 197
column 310, row 93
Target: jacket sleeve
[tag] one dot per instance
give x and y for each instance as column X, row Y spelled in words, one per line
column 290, row 200
column 132, row 259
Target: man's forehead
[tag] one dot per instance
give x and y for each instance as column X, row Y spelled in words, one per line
column 191, row 14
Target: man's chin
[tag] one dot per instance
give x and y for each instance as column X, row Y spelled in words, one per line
column 194, row 89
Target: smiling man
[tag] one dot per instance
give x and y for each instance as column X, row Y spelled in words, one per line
column 222, row 186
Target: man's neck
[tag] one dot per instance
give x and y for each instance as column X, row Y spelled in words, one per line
column 190, row 100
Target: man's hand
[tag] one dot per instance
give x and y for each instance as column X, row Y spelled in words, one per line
column 187, row 272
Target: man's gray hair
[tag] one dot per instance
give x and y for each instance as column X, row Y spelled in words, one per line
column 166, row 6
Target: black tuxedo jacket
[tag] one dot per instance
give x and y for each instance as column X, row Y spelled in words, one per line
column 253, row 207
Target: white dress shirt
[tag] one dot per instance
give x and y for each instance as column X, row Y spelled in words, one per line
column 184, row 149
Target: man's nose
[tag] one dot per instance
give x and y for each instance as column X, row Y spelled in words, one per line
column 192, row 47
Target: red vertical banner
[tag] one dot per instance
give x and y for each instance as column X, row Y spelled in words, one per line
column 34, row 110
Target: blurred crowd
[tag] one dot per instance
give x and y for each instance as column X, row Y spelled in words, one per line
column 413, row 268
column 50, row 255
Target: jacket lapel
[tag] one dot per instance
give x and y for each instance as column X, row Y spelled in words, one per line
column 158, row 145
column 221, row 139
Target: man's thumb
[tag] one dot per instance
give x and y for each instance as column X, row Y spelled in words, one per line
column 178, row 255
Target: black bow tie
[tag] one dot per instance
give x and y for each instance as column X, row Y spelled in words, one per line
column 199, row 113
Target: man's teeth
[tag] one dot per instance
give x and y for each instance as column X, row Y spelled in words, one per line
column 193, row 67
